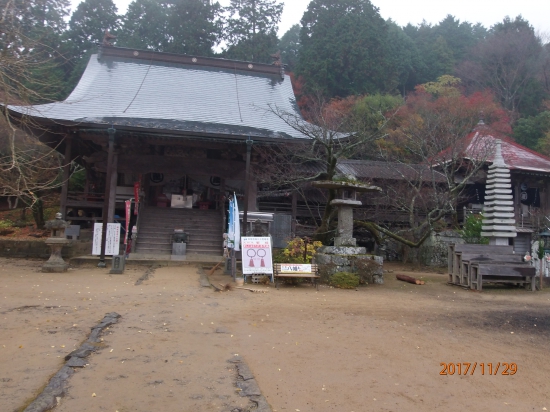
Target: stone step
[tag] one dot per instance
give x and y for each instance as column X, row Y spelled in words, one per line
column 195, row 242
column 186, row 227
column 158, row 224
column 166, row 239
column 181, row 212
column 167, row 251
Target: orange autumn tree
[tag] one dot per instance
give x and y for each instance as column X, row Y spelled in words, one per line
column 335, row 129
column 425, row 143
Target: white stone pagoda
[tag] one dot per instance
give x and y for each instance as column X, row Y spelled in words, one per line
column 499, row 223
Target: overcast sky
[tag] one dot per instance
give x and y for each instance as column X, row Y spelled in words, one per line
column 486, row 12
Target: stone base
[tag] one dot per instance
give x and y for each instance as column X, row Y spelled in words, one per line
column 55, row 267
column 179, row 249
column 342, row 250
column 345, row 241
column 368, row 267
column 56, row 264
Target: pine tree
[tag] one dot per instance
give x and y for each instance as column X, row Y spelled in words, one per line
column 290, row 47
column 251, row 29
column 344, row 48
column 144, row 26
column 176, row 26
column 89, row 22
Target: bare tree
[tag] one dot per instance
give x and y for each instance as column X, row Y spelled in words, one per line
column 334, row 130
column 27, row 167
column 430, row 160
column 506, row 62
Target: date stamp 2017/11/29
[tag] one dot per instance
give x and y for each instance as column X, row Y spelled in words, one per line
column 467, row 368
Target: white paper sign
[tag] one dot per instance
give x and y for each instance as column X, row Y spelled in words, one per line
column 295, row 268
column 112, row 244
column 256, row 252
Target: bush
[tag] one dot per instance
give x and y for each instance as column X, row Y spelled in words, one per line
column 294, row 251
column 471, row 230
column 6, row 224
column 6, row 227
column 344, row 280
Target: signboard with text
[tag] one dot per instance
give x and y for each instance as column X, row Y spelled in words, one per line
column 297, row 268
column 112, row 243
column 256, row 252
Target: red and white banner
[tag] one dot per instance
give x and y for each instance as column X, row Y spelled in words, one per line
column 128, row 214
column 136, row 196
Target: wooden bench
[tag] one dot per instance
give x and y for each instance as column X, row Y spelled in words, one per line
column 296, row 270
column 466, row 259
column 501, row 273
column 455, row 257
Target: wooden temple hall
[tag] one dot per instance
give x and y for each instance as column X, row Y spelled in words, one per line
column 179, row 127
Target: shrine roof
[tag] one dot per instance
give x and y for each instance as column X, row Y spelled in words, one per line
column 372, row 169
column 516, row 156
column 163, row 93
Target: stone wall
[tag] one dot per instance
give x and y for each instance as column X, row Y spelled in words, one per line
column 368, row 267
column 433, row 251
column 37, row 249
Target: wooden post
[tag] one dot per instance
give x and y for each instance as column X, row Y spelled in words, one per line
column 294, row 213
column 88, row 180
column 222, row 204
column 66, row 175
column 112, row 193
column 249, row 143
column 111, row 131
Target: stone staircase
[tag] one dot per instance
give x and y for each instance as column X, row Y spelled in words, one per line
column 157, row 224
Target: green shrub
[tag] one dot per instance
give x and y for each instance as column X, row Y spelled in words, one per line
column 344, row 280
column 6, row 224
column 294, row 252
column 471, row 230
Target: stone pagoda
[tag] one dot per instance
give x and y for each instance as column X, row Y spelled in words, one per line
column 499, row 223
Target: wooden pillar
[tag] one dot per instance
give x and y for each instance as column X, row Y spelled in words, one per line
column 222, row 204
column 252, row 195
column 112, row 192
column 66, row 174
column 88, row 180
column 111, row 131
column 294, row 213
column 517, row 202
column 247, row 185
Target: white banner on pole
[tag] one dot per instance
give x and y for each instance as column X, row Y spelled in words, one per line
column 112, row 244
column 256, row 252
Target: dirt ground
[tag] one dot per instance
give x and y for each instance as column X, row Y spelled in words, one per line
column 378, row 348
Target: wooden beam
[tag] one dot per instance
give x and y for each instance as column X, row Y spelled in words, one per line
column 165, row 164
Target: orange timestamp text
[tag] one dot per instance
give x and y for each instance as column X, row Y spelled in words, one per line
column 467, row 368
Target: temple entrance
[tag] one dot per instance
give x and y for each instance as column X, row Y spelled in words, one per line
column 183, row 191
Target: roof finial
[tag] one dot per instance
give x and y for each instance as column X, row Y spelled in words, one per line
column 481, row 117
column 106, row 39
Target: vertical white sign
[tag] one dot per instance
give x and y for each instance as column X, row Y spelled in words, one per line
column 112, row 243
column 256, row 252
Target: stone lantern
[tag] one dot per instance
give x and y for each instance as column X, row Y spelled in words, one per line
column 345, row 255
column 345, row 202
column 56, row 241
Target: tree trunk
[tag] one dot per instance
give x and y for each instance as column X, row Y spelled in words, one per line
column 38, row 213
column 324, row 232
column 409, row 279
